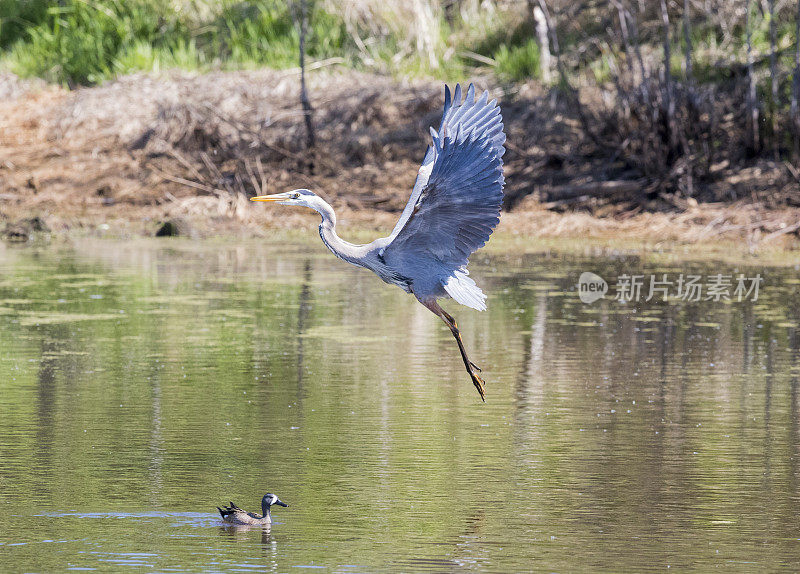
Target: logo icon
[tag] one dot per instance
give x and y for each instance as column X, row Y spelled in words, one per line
column 591, row 287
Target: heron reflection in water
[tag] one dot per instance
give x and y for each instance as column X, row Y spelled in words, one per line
column 453, row 209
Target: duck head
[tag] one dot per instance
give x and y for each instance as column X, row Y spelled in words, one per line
column 268, row 501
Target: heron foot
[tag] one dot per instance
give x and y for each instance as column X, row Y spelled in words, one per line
column 470, row 366
column 478, row 382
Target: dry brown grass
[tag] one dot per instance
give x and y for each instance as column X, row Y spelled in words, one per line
column 146, row 148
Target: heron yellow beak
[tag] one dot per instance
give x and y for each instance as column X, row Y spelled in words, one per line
column 276, row 197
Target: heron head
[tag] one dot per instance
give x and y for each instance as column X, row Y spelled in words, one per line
column 303, row 197
column 270, row 500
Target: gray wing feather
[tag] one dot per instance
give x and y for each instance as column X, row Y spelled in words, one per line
column 456, row 201
column 480, row 117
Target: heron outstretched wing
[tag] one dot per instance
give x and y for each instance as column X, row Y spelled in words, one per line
column 455, row 204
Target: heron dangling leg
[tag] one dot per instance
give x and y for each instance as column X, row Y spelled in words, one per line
column 451, row 322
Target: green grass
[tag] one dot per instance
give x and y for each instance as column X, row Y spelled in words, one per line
column 79, row 42
column 87, row 41
column 512, row 45
column 518, row 62
column 84, row 42
column 16, row 16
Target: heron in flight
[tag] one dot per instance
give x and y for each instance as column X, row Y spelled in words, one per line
column 453, row 209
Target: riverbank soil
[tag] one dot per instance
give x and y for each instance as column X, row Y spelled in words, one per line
column 126, row 156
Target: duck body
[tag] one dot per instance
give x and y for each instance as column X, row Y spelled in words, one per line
column 234, row 515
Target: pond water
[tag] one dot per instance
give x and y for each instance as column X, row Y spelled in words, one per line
column 144, row 383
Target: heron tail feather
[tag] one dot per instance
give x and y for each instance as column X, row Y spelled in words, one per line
column 464, row 290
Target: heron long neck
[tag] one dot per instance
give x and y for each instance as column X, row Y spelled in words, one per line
column 327, row 231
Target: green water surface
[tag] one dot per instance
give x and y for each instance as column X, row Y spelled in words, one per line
column 144, row 383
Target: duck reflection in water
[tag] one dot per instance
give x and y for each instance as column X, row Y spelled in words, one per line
column 243, row 532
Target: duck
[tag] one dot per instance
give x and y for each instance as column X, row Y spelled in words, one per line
column 234, row 515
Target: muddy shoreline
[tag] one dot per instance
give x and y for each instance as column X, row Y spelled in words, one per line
column 122, row 158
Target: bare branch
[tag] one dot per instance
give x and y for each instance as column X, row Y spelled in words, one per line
column 304, row 102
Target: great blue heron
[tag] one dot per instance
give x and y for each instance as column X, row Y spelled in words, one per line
column 453, row 209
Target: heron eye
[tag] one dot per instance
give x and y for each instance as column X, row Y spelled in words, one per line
column 295, row 196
